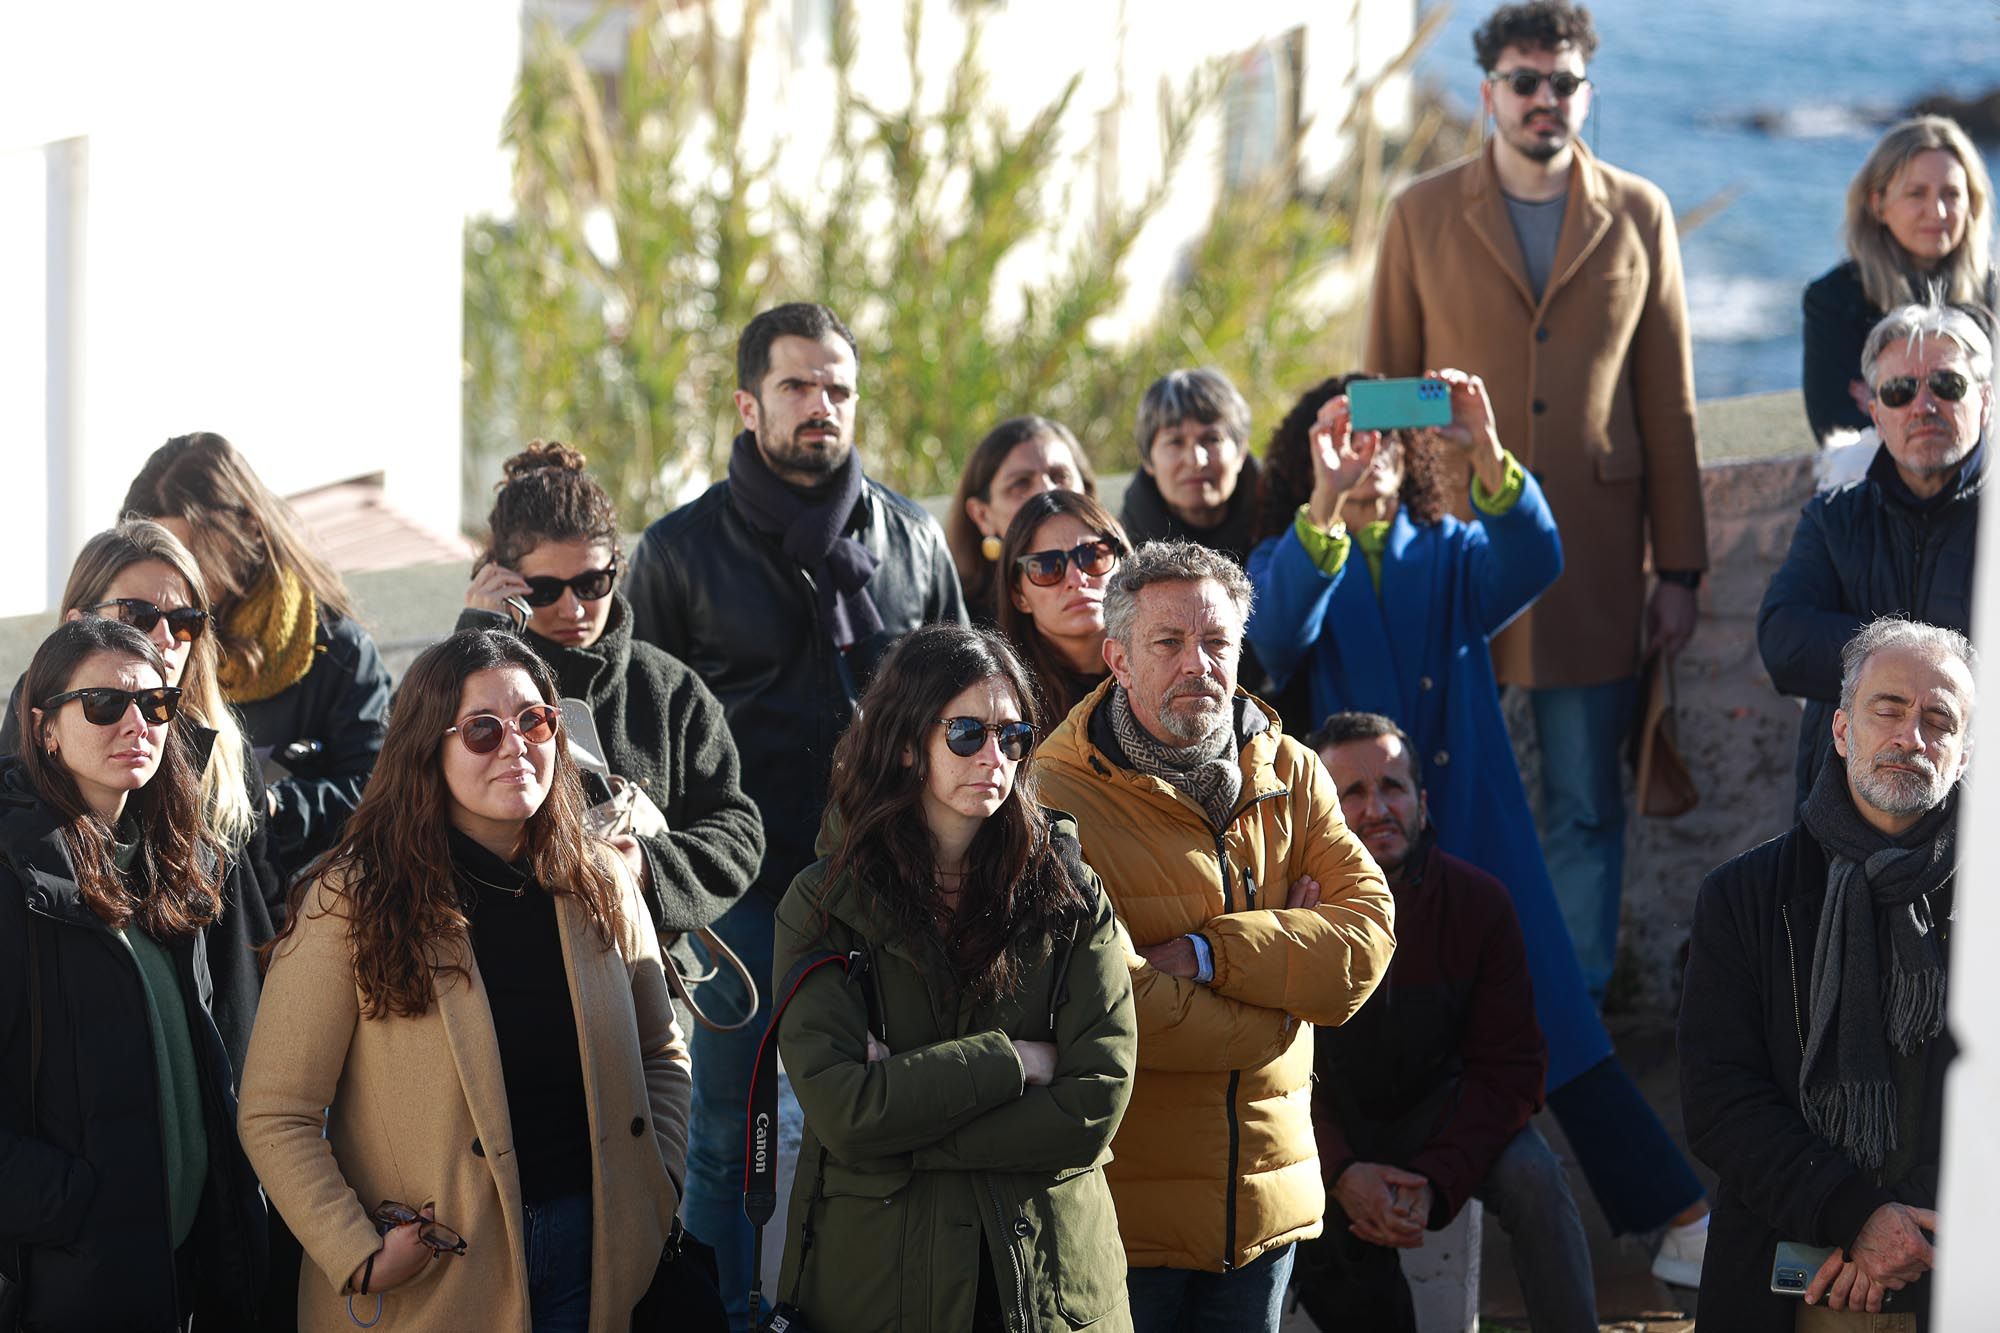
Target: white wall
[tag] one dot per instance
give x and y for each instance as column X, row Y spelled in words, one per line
column 269, row 228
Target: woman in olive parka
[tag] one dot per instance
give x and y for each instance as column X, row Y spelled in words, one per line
column 951, row 1174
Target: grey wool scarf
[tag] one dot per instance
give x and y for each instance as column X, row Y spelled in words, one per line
column 1876, row 916
column 1207, row 771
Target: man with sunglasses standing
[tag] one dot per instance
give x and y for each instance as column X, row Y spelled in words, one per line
column 1556, row 278
column 1900, row 540
column 782, row 586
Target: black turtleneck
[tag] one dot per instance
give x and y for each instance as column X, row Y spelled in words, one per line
column 519, row 950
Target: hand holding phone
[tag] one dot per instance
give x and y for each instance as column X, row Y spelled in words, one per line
column 1341, row 456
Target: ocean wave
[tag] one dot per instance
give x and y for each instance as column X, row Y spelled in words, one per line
column 1739, row 308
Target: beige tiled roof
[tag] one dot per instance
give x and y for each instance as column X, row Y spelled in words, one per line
column 357, row 529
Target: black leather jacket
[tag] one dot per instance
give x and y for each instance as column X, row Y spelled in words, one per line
column 725, row 599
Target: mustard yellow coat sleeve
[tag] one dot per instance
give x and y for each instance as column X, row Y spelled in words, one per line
column 1186, row 1027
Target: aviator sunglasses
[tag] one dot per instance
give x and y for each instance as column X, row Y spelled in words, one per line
column 184, row 623
column 482, row 732
column 966, row 736
column 589, row 586
column 1523, row 82
column 105, row 707
column 1948, row 385
column 1045, row 569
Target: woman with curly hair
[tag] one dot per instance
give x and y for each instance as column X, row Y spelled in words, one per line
column 951, row 1172
column 466, row 1092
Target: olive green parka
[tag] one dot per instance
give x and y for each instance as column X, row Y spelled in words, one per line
column 911, row 1166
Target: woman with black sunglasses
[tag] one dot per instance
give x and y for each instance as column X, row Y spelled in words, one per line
column 967, row 1122
column 138, row 573
column 694, row 840
column 1059, row 552
column 126, row 1201
column 466, row 1092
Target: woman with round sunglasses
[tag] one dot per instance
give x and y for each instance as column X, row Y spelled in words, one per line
column 1919, row 222
column 138, row 573
column 553, row 544
column 966, row 1124
column 126, row 1201
column 1020, row 458
column 1061, row 549
column 466, row 1091
column 306, row 679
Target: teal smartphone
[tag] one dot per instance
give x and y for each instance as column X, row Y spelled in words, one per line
column 1793, row 1266
column 1398, row 404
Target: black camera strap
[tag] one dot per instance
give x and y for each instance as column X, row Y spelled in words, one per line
column 760, row 1146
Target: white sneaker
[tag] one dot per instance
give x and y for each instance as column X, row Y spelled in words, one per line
column 1682, row 1249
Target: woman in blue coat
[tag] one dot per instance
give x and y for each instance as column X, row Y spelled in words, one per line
column 1386, row 602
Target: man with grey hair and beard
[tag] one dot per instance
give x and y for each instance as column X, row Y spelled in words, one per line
column 1812, row 1039
column 1255, row 913
column 1899, row 541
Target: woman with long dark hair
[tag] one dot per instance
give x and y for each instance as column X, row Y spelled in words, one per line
column 466, row 1093
column 1019, row 458
column 1060, row 551
column 310, row 687
column 127, row 1203
column 950, row 1174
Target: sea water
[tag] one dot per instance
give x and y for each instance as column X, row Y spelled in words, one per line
column 1677, row 85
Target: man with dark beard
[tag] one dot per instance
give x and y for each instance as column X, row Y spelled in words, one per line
column 782, row 586
column 1812, row 1039
column 1422, row 1100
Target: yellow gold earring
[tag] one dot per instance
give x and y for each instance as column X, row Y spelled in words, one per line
column 990, row 547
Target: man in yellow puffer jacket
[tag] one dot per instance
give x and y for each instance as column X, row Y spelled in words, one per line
column 1253, row 913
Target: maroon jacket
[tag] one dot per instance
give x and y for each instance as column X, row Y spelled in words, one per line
column 1444, row 1064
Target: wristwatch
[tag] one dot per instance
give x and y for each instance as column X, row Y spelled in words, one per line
column 1686, row 578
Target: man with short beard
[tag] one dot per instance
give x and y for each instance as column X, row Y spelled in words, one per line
column 1255, row 913
column 782, row 586
column 1900, row 541
column 1812, row 1040
column 1424, row 1099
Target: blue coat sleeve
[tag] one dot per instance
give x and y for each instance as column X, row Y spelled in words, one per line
column 1802, row 624
column 1293, row 595
column 1511, row 558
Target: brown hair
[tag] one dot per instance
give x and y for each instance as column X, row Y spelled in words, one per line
column 962, row 535
column 392, row 866
column 177, row 858
column 1288, row 470
column 237, row 528
column 546, row 496
column 1052, row 672
column 1017, row 891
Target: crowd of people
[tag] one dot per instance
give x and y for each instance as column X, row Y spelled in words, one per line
column 1148, row 910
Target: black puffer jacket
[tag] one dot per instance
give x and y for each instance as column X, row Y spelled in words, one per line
column 1742, row 1037
column 343, row 704
column 1865, row 550
column 724, row 598
column 662, row 729
column 85, row 1195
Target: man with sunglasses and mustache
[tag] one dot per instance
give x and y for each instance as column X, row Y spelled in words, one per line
column 1255, row 913
column 1813, row 1047
column 782, row 586
column 1900, row 540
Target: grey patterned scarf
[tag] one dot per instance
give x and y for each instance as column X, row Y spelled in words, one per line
column 1876, row 916
column 1207, row 771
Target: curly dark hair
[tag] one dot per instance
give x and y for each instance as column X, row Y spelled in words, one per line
column 1542, row 25
column 1288, row 469
column 546, row 496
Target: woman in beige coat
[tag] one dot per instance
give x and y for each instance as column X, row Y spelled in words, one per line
column 474, row 991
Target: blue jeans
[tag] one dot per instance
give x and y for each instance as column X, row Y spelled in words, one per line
column 1582, row 729
column 723, row 1061
column 557, row 1233
column 1249, row 1300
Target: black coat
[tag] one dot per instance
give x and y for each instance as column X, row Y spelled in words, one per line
column 1742, row 1039
column 662, row 729
column 343, row 704
column 1838, row 319
column 724, row 598
column 85, row 1195
column 1863, row 551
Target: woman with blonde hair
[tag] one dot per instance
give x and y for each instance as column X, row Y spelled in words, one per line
column 139, row 574
column 310, row 687
column 466, row 1092
column 1919, row 221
